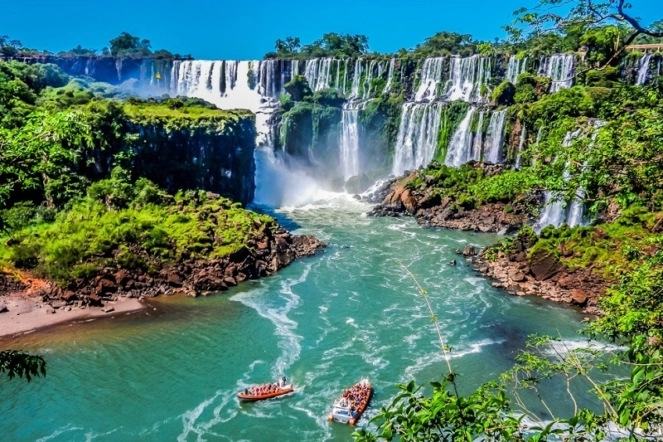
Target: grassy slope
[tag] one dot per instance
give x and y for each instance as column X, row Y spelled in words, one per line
column 151, row 232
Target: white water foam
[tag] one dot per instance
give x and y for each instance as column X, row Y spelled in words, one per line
column 436, row 357
column 289, row 341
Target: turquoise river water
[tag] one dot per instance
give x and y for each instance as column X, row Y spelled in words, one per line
column 171, row 372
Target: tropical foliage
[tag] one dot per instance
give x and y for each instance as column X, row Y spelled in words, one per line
column 330, row 45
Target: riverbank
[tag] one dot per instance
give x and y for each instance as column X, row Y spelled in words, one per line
column 27, row 314
column 560, row 272
column 28, row 303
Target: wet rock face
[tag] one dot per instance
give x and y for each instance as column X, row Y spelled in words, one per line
column 542, row 274
column 197, row 158
column 432, row 210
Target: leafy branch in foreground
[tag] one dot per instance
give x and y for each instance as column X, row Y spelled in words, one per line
column 18, row 364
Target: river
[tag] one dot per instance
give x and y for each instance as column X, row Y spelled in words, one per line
column 171, row 372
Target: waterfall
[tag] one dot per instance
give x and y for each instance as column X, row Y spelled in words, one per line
column 350, row 141
column 643, row 69
column 230, row 85
column 477, row 145
column 559, row 68
column 554, row 213
column 577, row 210
column 430, row 78
column 418, row 133
column 345, row 74
column 459, row 151
column 521, row 145
column 495, row 137
column 318, row 73
column 516, row 67
column 390, row 75
column 368, row 80
column 467, row 77
column 354, row 93
column 537, row 143
column 272, row 78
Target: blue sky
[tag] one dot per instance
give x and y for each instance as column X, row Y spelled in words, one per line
column 245, row 29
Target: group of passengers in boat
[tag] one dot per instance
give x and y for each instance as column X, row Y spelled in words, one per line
column 266, row 389
column 355, row 395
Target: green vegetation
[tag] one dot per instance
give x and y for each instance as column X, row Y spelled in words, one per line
column 21, row 365
column 330, row 45
column 120, row 224
column 124, row 45
column 64, row 215
column 600, row 140
column 444, row 44
column 469, row 187
column 504, row 94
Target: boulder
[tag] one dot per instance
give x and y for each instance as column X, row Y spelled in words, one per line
column 517, row 276
column 520, row 257
column 470, row 251
column 69, row 296
column 566, row 281
column 121, row 277
column 94, row 299
column 108, row 309
column 3, row 309
column 174, row 278
column 208, row 281
column 578, row 297
column 106, row 285
column 544, row 265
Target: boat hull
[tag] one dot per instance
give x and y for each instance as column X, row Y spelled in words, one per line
column 254, row 398
column 351, row 417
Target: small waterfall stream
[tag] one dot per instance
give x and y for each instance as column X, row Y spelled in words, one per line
column 467, row 76
column 477, row 145
column 349, row 144
column 431, row 79
column 515, row 67
column 495, row 137
column 559, row 68
column 555, row 212
column 521, row 145
column 417, row 136
column 460, row 146
column 643, row 69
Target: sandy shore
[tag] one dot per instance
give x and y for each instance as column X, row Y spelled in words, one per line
column 27, row 314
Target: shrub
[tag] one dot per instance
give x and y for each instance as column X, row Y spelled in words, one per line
column 504, row 94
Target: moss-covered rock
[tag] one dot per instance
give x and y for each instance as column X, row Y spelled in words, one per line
column 504, row 94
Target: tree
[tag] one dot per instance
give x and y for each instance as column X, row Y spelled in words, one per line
column 446, row 43
column 81, row 51
column 40, row 155
column 9, row 47
column 571, row 19
column 18, row 364
column 291, row 45
column 126, row 44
